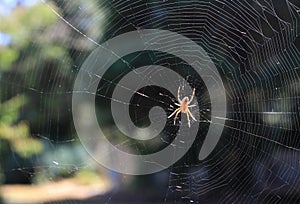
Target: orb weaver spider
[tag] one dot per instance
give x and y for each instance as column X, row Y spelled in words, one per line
column 184, row 106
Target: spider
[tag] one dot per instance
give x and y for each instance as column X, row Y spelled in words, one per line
column 184, row 106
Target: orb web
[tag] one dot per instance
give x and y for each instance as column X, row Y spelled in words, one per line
column 254, row 46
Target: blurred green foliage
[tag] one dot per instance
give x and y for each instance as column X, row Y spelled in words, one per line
column 7, row 57
column 17, row 133
column 37, row 67
column 22, row 25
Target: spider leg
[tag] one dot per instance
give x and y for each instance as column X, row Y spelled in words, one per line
column 193, row 94
column 178, row 95
column 176, row 116
column 175, row 111
column 177, row 104
column 189, row 113
column 194, row 105
column 188, row 118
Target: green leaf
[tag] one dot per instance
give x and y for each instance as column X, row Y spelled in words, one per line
column 7, row 57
